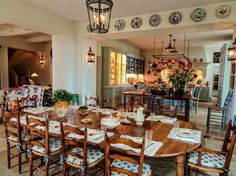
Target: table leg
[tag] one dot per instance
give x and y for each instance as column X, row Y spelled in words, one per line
column 180, row 165
column 187, row 109
column 124, row 106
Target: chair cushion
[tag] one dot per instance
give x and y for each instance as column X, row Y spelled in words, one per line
column 208, row 160
column 24, row 137
column 54, row 146
column 131, row 167
column 92, row 157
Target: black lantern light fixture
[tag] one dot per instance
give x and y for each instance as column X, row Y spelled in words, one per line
column 170, row 47
column 174, row 51
column 90, row 56
column 99, row 13
column 232, row 51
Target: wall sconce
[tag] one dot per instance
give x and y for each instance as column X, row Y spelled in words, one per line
column 91, row 56
column 232, row 51
column 42, row 58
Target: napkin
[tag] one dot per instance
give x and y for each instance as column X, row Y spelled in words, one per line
column 94, row 136
column 38, row 110
column 185, row 134
column 151, row 147
column 52, row 129
column 104, row 111
column 162, row 118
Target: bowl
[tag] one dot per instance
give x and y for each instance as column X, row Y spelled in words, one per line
column 111, row 122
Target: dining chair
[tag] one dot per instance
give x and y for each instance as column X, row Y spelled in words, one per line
column 42, row 145
column 168, row 110
column 16, row 138
column 109, row 103
column 210, row 160
column 75, row 150
column 91, row 101
column 216, row 115
column 117, row 164
column 195, row 98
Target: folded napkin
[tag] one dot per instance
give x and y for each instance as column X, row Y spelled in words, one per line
column 38, row 110
column 104, row 111
column 23, row 119
column 94, row 136
column 162, row 118
column 52, row 129
column 151, row 147
column 185, row 134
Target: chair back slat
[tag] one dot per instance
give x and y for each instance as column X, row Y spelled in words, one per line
column 69, row 142
column 227, row 136
column 110, row 157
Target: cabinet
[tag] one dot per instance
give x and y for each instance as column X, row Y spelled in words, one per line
column 135, row 65
column 113, row 67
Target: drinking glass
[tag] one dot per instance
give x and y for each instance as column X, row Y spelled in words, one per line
column 176, row 124
column 148, row 135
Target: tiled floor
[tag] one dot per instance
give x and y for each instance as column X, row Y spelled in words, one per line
column 198, row 119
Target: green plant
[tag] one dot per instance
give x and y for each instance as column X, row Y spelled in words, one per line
column 83, row 107
column 61, row 95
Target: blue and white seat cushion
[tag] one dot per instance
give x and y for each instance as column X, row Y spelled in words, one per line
column 208, row 159
column 24, row 137
column 130, row 167
column 93, row 157
column 54, row 146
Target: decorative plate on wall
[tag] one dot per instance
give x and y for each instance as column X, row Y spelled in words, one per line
column 175, row 17
column 198, row 15
column 223, row 11
column 119, row 25
column 136, row 22
column 154, row 20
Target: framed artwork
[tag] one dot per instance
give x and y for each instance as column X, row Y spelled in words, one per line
column 216, row 57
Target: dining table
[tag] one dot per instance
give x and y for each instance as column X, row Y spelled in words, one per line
column 169, row 148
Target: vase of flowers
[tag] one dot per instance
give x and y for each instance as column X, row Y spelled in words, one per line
column 179, row 81
column 61, row 99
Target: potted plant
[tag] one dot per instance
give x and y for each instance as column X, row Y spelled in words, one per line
column 83, row 109
column 61, row 98
column 180, row 79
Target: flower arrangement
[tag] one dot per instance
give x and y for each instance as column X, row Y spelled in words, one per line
column 180, row 79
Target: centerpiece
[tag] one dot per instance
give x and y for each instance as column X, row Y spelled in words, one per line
column 61, row 99
column 179, row 81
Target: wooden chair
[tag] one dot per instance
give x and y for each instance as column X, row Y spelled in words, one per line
column 195, row 98
column 168, row 110
column 216, row 115
column 75, row 151
column 117, row 164
column 209, row 160
column 92, row 101
column 16, row 137
column 109, row 103
column 41, row 145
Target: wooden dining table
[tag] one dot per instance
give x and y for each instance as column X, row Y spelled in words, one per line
column 170, row 147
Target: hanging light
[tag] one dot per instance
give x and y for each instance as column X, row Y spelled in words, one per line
column 99, row 13
column 174, row 50
column 170, row 47
column 232, row 51
column 90, row 56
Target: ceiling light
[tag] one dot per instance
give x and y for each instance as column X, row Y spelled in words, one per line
column 99, row 13
column 232, row 51
column 170, row 47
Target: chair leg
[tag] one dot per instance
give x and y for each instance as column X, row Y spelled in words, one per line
column 208, row 118
column 19, row 161
column 8, row 155
column 47, row 168
column 31, row 165
column 64, row 169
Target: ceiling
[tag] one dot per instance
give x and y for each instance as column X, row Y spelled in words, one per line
column 76, row 9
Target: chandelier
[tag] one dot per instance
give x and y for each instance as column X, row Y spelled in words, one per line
column 99, row 13
column 163, row 61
